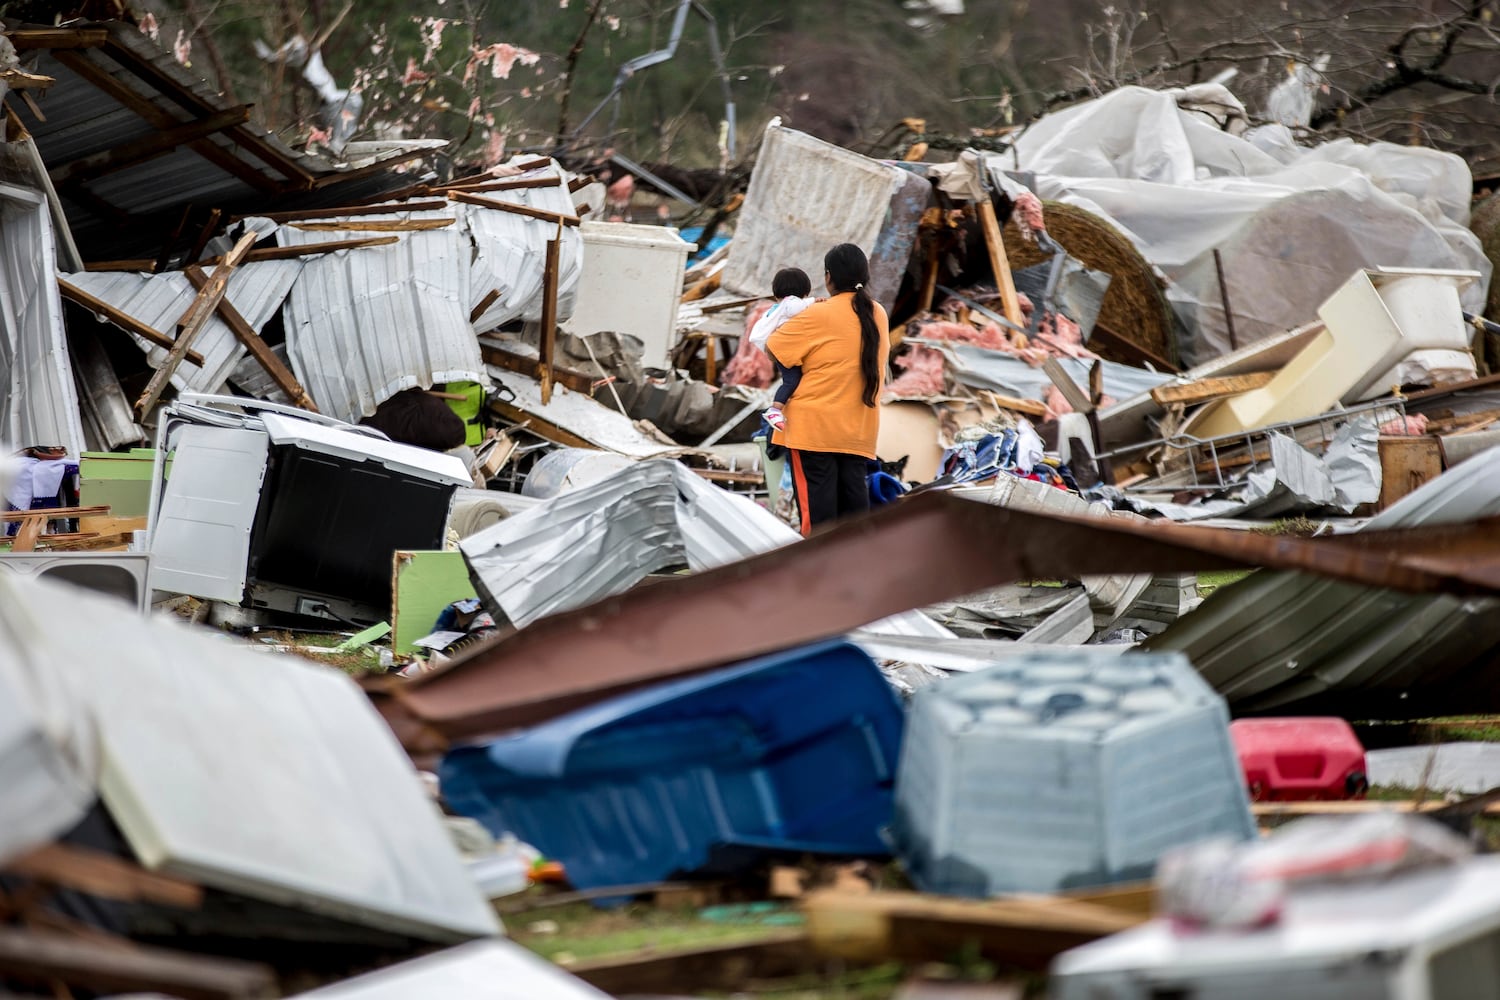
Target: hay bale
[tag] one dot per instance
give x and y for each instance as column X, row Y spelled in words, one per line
column 1134, row 306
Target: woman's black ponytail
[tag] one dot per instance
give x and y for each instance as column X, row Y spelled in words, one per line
column 849, row 271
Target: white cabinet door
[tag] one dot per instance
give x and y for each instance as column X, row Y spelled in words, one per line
column 201, row 540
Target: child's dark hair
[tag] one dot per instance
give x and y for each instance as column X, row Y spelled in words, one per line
column 791, row 281
column 849, row 271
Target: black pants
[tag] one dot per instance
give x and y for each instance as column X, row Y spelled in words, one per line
column 829, row 485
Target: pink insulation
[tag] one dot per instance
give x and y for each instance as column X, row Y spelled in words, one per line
column 923, row 374
column 1028, row 216
column 1414, row 426
column 750, row 365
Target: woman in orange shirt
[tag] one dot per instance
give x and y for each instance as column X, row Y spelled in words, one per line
column 842, row 345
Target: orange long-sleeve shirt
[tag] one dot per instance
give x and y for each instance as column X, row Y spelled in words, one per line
column 827, row 412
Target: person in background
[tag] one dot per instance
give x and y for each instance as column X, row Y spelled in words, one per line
column 793, row 291
column 842, row 345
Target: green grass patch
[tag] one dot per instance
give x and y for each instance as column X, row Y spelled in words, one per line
column 580, row 931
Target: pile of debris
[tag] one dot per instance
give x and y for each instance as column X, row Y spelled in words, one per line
column 502, row 461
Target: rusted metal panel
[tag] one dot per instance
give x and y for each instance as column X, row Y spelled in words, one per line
column 929, row 548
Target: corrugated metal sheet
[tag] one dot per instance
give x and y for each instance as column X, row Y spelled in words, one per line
column 38, row 399
column 604, row 538
column 81, row 119
column 256, row 291
column 206, row 745
column 510, row 251
column 805, row 197
column 1284, row 642
column 362, row 325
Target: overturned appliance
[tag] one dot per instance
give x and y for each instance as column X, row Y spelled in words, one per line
column 276, row 509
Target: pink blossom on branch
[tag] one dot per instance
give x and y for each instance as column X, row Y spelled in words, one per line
column 412, row 74
column 149, row 27
column 182, row 49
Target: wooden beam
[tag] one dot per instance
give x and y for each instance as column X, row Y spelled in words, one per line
column 99, row 873
column 999, row 262
column 192, row 321
column 505, row 206
column 52, row 513
column 1104, row 340
column 99, row 542
column 1030, row 407
column 376, row 226
column 548, row 346
column 715, row 967
column 28, row 39
column 50, row 957
column 358, row 173
column 121, row 319
column 204, row 235
column 1072, row 392
column 307, row 249
column 540, row 427
column 138, row 103
column 518, row 184
column 1023, row 931
column 147, row 148
column 143, row 265
column 259, row 349
column 490, row 298
column 1208, row 388
column 718, row 307
column 572, row 378
column 246, row 138
column 345, row 211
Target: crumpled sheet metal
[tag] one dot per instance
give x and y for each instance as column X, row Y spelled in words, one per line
column 362, row 325
column 256, row 291
column 605, row 537
column 1290, row 642
column 835, row 582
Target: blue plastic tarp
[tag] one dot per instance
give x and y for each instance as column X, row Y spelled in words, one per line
column 794, row 752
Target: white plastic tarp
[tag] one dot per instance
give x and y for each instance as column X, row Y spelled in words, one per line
column 254, row 773
column 1159, row 167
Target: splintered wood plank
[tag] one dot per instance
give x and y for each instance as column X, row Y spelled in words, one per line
column 259, row 349
column 121, row 319
column 540, row 214
column 1208, row 388
column 192, row 321
column 1023, row 930
column 101, row 874
column 37, row 955
column 376, row 225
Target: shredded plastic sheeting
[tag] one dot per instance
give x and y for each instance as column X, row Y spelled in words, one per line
column 1291, row 223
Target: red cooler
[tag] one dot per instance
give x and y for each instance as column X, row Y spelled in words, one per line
column 1288, row 760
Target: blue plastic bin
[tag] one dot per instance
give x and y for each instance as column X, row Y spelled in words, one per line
column 795, row 752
